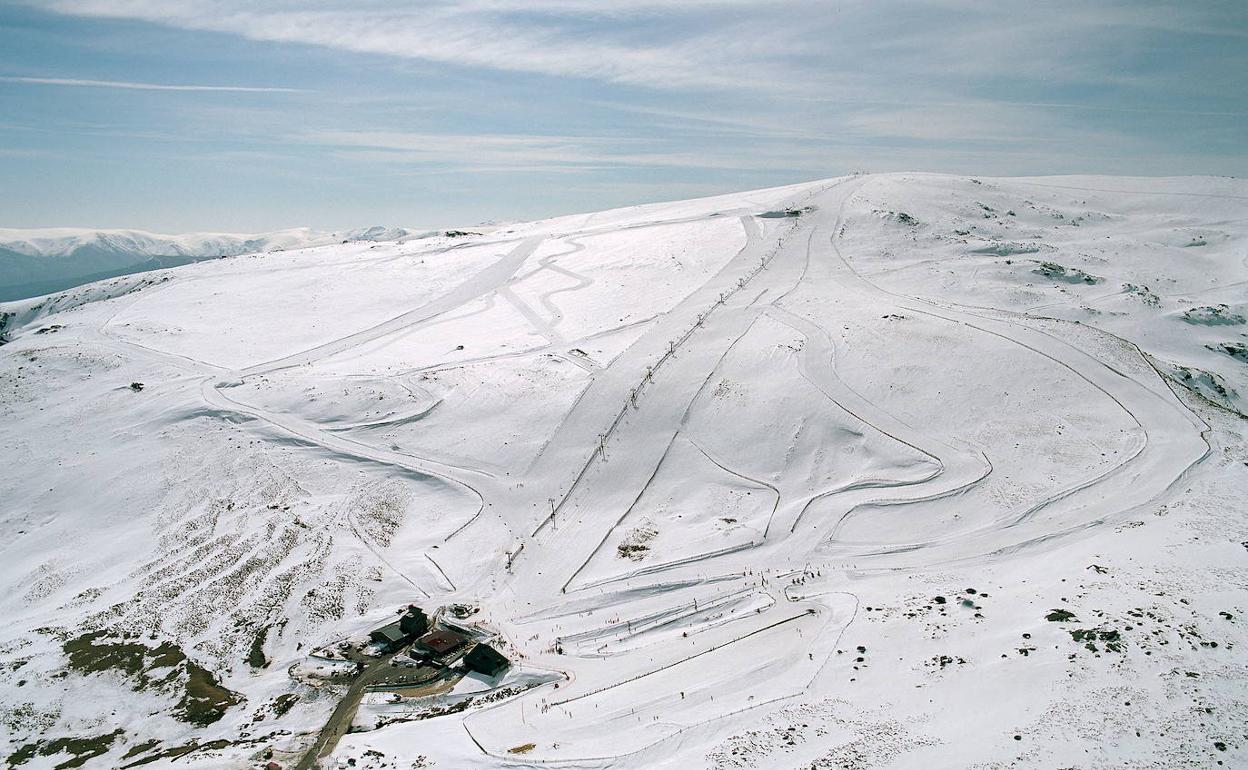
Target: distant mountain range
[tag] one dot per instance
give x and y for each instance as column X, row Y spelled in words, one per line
column 41, row 261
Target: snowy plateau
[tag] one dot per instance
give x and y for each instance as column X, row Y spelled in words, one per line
column 883, row 471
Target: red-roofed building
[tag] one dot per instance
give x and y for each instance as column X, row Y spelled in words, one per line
column 441, row 644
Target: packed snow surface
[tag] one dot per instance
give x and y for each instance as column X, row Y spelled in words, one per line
column 883, row 471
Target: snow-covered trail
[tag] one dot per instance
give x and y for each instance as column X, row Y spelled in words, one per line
column 719, row 314
column 482, row 283
column 648, row 431
column 630, row 418
column 679, row 353
column 214, row 395
column 1173, row 444
column 1174, row 447
column 556, row 554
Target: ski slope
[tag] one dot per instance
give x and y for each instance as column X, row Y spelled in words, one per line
column 791, row 478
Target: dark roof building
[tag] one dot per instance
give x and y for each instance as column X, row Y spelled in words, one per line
column 389, row 636
column 440, row 642
column 414, row 622
column 410, row 625
column 484, row 659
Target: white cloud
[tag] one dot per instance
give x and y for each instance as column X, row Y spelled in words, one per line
column 548, row 37
column 810, row 86
column 527, row 152
column 778, row 46
column 794, row 47
column 146, row 86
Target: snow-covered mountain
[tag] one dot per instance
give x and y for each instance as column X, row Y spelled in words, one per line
column 38, row 261
column 885, row 471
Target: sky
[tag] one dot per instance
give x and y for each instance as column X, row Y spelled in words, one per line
column 256, row 115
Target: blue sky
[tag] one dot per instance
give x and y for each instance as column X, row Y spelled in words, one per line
column 251, row 115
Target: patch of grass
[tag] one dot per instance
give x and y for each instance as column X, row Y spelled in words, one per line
column 1142, row 293
column 98, row 652
column 1200, row 382
column 946, row 660
column 283, row 704
column 139, row 748
column 1236, row 350
column 1007, row 248
column 81, row 749
column 255, row 656
column 205, row 700
column 1212, row 315
column 1067, row 274
column 1060, row 616
column 637, row 544
column 178, row 751
column 1111, row 639
column 788, row 212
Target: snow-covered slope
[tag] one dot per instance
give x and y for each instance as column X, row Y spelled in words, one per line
column 39, row 261
column 876, row 472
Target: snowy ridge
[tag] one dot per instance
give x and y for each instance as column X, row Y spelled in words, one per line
column 67, row 242
column 814, row 476
column 42, row 261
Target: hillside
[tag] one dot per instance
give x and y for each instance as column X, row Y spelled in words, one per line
column 883, row 471
column 43, row 261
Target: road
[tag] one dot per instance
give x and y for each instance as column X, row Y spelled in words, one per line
column 339, row 722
